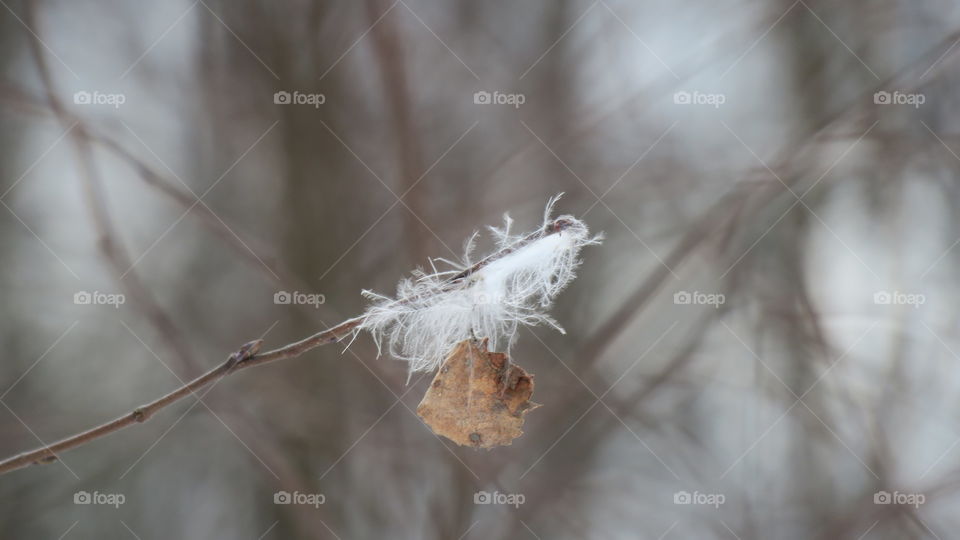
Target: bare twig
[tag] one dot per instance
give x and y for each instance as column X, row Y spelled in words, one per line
column 247, row 356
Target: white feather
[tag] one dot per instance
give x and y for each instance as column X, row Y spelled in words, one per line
column 434, row 312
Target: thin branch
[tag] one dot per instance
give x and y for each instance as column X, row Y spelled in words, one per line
column 247, row 356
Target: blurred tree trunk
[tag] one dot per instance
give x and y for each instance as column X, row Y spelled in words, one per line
column 821, row 66
column 390, row 56
column 322, row 212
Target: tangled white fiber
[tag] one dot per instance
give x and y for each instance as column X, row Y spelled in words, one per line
column 514, row 285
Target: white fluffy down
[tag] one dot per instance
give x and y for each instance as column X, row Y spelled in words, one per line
column 433, row 312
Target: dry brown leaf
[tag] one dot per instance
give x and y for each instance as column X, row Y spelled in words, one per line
column 478, row 398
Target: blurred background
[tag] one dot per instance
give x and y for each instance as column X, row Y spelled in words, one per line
column 766, row 345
